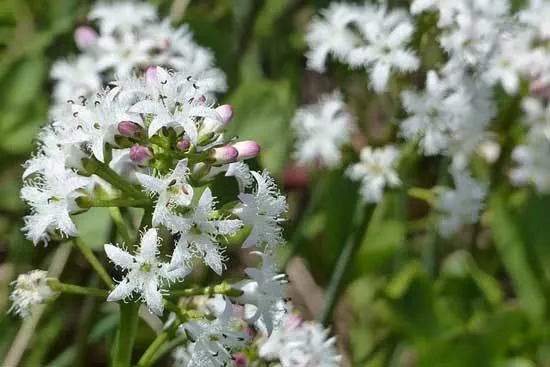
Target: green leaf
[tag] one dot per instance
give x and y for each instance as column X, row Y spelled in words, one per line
column 410, row 302
column 262, row 113
column 93, row 227
column 513, row 252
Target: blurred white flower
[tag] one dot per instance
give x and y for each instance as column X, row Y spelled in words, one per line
column 461, row 205
column 321, row 131
column 29, row 289
column 263, row 210
column 375, row 170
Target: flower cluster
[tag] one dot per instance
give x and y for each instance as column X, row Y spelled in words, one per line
column 29, row 289
column 473, row 62
column 126, row 36
column 368, row 36
column 322, row 129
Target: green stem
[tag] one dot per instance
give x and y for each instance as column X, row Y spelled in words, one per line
column 147, row 357
column 85, row 203
column 336, row 284
column 429, row 249
column 121, row 227
column 167, row 347
column 223, row 288
column 93, row 166
column 94, row 262
column 57, row 286
column 126, row 334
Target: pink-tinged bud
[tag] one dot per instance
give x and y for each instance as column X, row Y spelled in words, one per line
column 151, row 76
column 85, row 36
column 540, row 89
column 140, row 154
column 183, row 145
column 164, row 44
column 292, row 322
column 240, row 359
column 247, row 149
column 128, row 128
column 223, row 155
column 226, row 113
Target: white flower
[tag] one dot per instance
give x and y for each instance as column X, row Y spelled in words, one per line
column 537, row 16
column 180, row 52
column 200, row 232
column 434, row 112
column 508, row 62
column 173, row 191
column 29, row 289
column 321, row 130
column 301, row 344
column 476, row 31
column 461, row 205
column 123, row 52
column 95, row 123
column 262, row 290
column 532, row 164
column 331, row 34
column 212, row 341
column 75, row 78
column 51, row 197
column 145, row 272
column 122, row 16
column 263, row 210
column 375, row 170
column 446, row 8
column 386, row 34
column 537, row 117
column 174, row 101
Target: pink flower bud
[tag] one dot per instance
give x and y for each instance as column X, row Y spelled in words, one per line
column 140, row 154
column 223, row 155
column 151, row 76
column 240, row 359
column 164, row 44
column 128, row 128
column 292, row 322
column 85, row 36
column 247, row 149
column 183, row 145
column 226, row 113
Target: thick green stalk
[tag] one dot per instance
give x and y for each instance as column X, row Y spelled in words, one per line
column 223, row 288
column 336, row 284
column 85, row 203
column 147, row 357
column 93, row 166
column 121, row 227
column 129, row 317
column 94, row 262
column 57, row 286
column 126, row 334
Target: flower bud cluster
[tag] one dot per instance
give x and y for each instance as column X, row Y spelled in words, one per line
column 124, row 37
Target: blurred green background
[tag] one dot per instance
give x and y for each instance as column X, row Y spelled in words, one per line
column 410, row 298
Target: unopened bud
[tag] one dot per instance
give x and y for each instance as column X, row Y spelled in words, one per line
column 247, row 149
column 224, row 115
column 240, row 359
column 128, row 128
column 151, row 76
column 140, row 154
column 164, row 44
column 183, row 145
column 223, row 155
column 85, row 36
